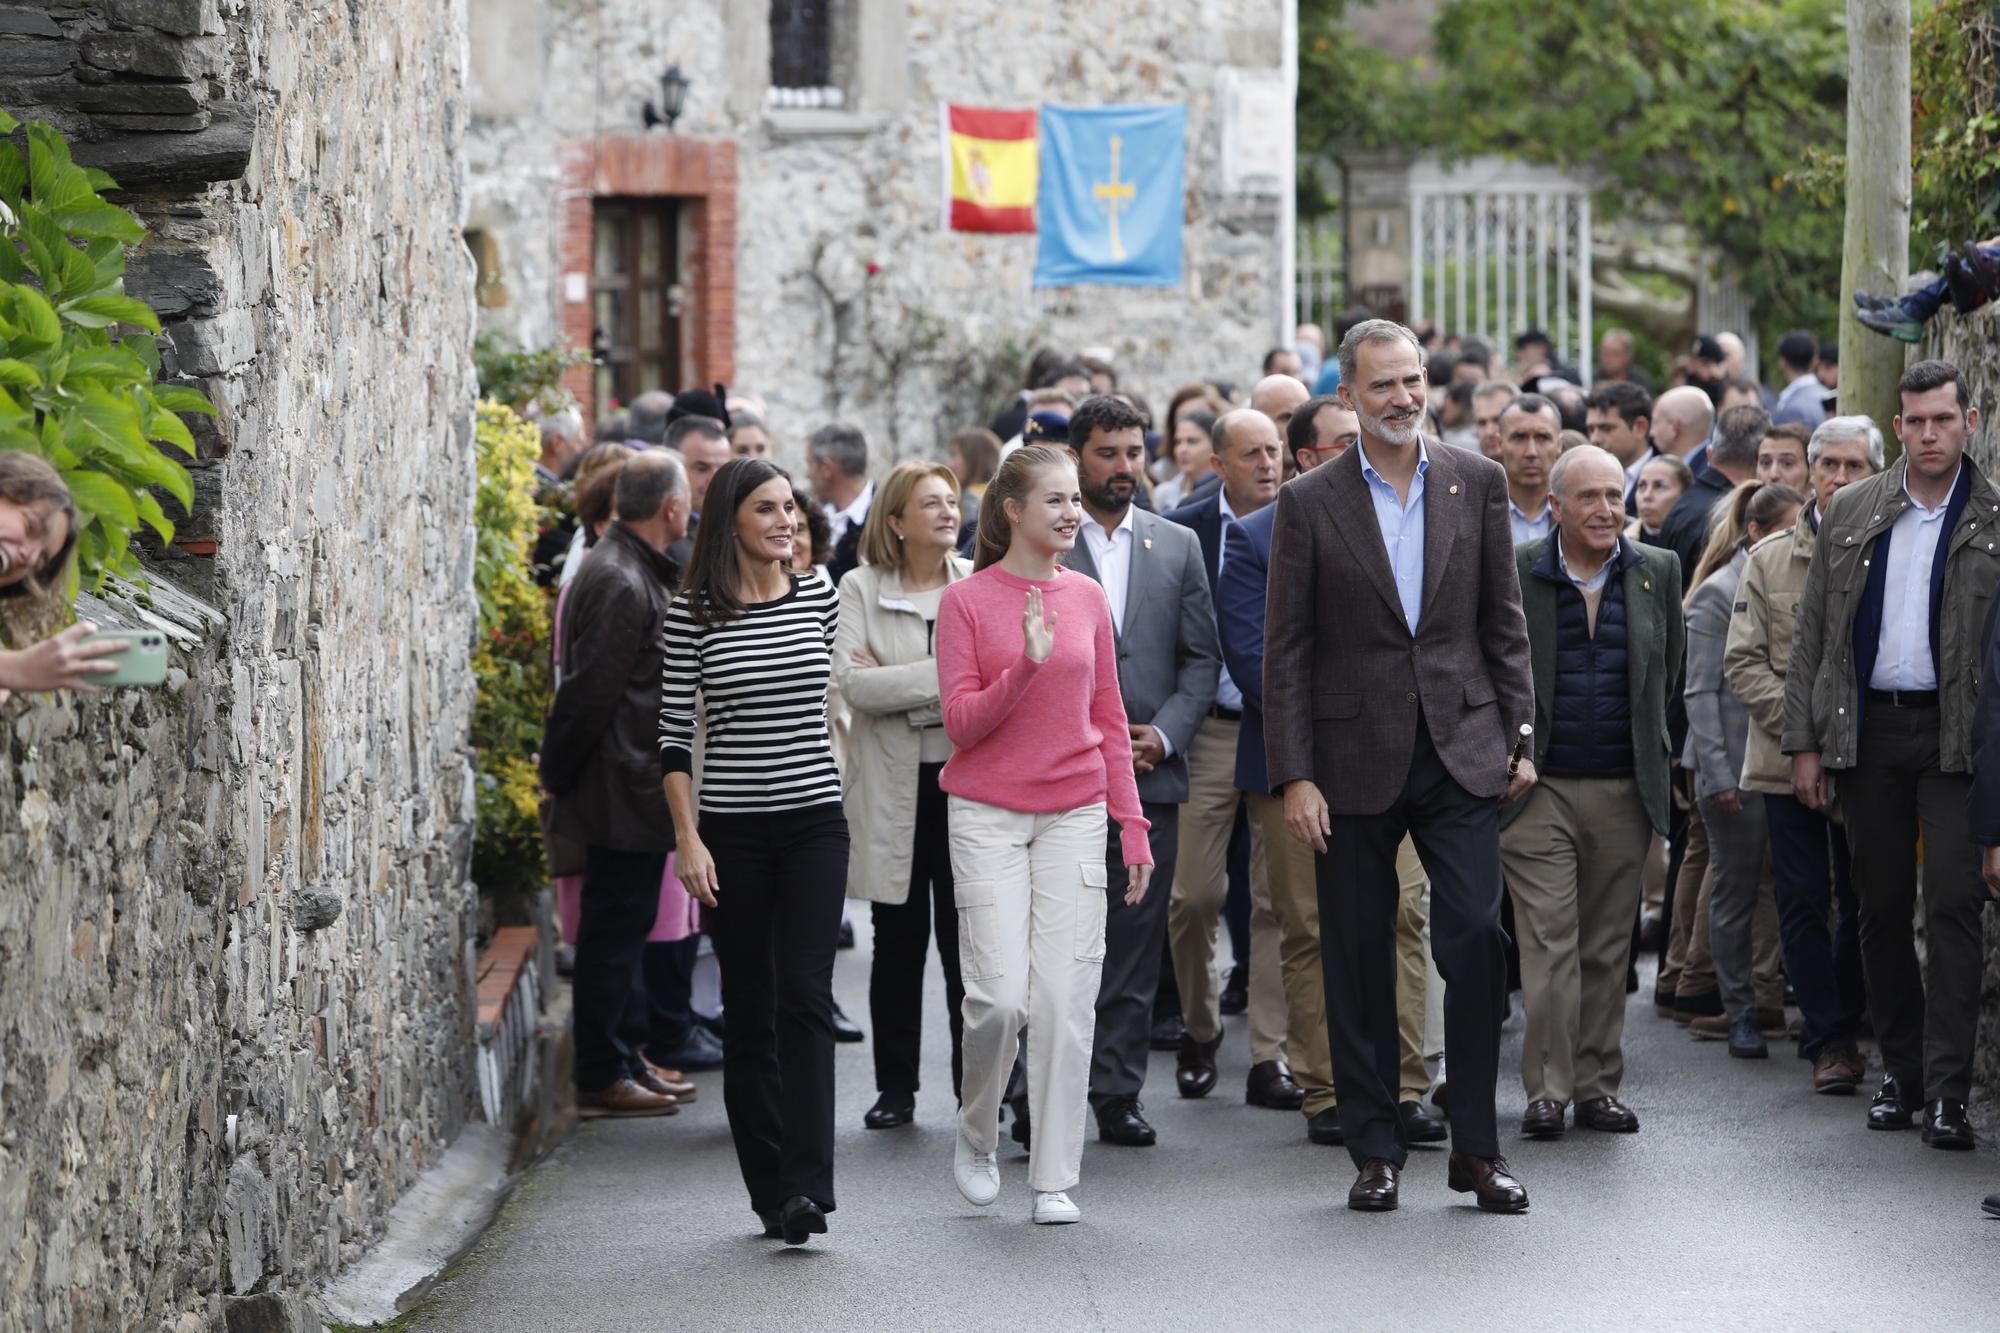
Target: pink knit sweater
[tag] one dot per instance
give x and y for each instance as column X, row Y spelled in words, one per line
column 1038, row 737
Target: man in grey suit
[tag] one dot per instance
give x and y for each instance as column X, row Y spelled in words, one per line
column 1168, row 657
column 1396, row 678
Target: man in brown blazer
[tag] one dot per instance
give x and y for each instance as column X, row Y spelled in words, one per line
column 1396, row 678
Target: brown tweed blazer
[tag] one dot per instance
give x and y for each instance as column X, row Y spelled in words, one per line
column 1343, row 676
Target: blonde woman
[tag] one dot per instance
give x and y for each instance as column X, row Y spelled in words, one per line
column 899, row 858
column 1028, row 681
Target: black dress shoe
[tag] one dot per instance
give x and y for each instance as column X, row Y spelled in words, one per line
column 1945, row 1125
column 890, row 1110
column 773, row 1229
column 1270, row 1084
column 1235, row 997
column 1194, row 1072
column 1167, row 1033
column 1374, row 1190
column 1991, row 1205
column 1023, row 1132
column 844, row 1028
column 1889, row 1110
column 1119, row 1122
column 799, row 1218
column 1489, row 1181
column 1544, row 1120
column 1323, row 1128
column 1419, row 1125
column 1606, row 1115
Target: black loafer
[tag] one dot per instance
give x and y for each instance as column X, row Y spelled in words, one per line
column 1606, row 1115
column 773, row 1228
column 1992, row 1205
column 1323, row 1128
column 1375, row 1189
column 799, row 1218
column 1544, row 1119
column 1119, row 1122
column 844, row 1028
column 890, row 1110
column 1270, row 1084
column 1889, row 1110
column 1194, row 1072
column 1419, row 1125
column 1167, row 1033
column 1945, row 1126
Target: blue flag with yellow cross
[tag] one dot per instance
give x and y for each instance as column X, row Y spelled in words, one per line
column 1111, row 202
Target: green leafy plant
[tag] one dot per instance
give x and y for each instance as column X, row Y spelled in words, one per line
column 529, row 380
column 1954, row 127
column 510, row 662
column 71, row 388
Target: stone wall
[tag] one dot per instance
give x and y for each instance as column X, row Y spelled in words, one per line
column 235, row 928
column 936, row 336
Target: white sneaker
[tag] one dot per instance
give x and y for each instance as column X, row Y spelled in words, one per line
column 978, row 1175
column 1055, row 1209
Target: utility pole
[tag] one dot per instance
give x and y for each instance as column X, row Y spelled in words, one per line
column 1875, row 246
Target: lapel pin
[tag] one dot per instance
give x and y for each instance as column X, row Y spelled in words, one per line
column 1454, row 490
column 1648, row 585
column 1149, row 543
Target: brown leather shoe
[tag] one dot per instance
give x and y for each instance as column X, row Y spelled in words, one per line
column 1771, row 1022
column 624, row 1100
column 1838, row 1071
column 1488, row 1181
column 1544, row 1119
column 671, row 1082
column 1375, row 1189
column 1709, row 1027
column 1271, row 1084
column 1194, row 1073
column 1607, row 1115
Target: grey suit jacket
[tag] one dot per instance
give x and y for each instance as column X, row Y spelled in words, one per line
column 1168, row 653
column 1344, row 679
column 1718, row 723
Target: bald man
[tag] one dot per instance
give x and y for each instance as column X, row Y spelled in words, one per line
column 1277, row 397
column 1246, row 458
column 1683, row 416
column 1604, row 637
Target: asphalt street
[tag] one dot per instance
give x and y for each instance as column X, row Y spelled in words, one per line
column 1745, row 1201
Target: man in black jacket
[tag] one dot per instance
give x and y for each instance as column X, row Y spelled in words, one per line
column 1985, row 813
column 600, row 759
column 1732, row 460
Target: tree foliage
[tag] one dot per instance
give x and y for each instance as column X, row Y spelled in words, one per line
column 71, row 389
column 1955, row 126
column 529, row 380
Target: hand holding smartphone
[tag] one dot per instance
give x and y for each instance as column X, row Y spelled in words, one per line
column 135, row 656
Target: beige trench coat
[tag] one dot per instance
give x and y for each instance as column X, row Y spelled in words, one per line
column 880, row 788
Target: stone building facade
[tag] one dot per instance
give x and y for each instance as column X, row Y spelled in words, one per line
column 235, row 927
column 803, row 256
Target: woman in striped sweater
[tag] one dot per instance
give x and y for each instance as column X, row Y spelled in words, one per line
column 767, row 853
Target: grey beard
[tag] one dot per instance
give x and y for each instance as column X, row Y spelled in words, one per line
column 1400, row 436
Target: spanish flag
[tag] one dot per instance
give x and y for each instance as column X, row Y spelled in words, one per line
column 990, row 168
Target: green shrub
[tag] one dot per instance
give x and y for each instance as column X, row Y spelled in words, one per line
column 511, row 660
column 527, row 380
column 69, row 390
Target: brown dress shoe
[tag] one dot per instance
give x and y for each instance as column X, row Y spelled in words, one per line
column 1489, row 1182
column 1194, row 1073
column 1607, row 1115
column 624, row 1099
column 1544, row 1119
column 1374, row 1190
column 1709, row 1027
column 1271, row 1084
column 1838, row 1071
column 658, row 1078
column 1771, row 1023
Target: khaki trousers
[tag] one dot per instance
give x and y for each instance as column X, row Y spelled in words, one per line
column 1201, row 882
column 1295, row 899
column 1573, row 859
column 1687, row 968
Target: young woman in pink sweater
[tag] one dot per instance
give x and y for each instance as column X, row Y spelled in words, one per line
column 1028, row 681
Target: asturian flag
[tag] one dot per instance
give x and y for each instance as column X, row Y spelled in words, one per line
column 989, row 168
column 1111, row 206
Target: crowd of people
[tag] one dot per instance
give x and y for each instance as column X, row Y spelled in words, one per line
column 1420, row 674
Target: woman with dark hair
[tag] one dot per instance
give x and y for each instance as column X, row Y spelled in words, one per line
column 752, row 640
column 1041, row 751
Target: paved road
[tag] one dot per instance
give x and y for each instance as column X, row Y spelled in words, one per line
column 1744, row 1202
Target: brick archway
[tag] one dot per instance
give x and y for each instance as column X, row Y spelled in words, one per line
column 699, row 172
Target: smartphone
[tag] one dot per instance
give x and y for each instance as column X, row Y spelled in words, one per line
column 143, row 662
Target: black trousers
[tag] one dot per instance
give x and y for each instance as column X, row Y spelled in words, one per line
column 1809, row 867
column 1457, row 836
column 1925, row 1019
column 621, row 900
column 669, row 996
column 781, row 878
column 902, row 943
column 1132, row 940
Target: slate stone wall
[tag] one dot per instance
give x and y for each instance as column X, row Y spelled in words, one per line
column 236, row 933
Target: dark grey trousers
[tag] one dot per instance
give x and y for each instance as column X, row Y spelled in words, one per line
column 1739, row 847
column 1133, row 937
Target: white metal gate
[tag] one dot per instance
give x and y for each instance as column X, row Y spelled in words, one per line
column 1497, row 248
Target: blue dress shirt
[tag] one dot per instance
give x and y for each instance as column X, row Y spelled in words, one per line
column 1402, row 524
column 1903, row 662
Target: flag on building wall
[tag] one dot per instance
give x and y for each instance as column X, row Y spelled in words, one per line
column 1111, row 204
column 990, row 168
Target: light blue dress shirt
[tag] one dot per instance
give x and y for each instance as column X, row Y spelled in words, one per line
column 1903, row 659
column 1402, row 524
column 1227, row 693
column 1528, row 529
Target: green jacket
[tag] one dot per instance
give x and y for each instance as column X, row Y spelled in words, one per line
column 1822, row 696
column 1654, row 631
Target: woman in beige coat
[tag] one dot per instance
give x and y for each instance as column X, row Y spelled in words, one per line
column 899, row 857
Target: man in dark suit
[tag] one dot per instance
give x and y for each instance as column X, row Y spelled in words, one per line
column 837, row 464
column 1247, row 458
column 1167, row 663
column 1396, row 679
